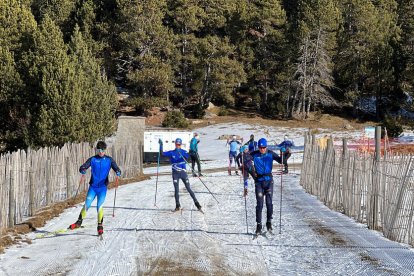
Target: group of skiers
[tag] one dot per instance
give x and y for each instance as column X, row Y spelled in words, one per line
column 254, row 158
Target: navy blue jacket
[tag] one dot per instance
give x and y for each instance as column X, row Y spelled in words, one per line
column 100, row 167
column 263, row 164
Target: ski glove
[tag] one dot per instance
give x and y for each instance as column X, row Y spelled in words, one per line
column 245, row 192
column 118, row 173
column 160, row 142
column 83, row 172
column 283, row 149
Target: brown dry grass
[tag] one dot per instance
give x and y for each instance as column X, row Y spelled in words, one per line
column 14, row 235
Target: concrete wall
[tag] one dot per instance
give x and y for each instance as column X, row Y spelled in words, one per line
column 130, row 130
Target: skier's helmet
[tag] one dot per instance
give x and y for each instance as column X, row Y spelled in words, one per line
column 252, row 136
column 286, row 138
column 262, row 143
column 178, row 141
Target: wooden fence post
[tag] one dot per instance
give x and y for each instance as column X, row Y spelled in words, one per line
column 376, row 177
column 48, row 184
column 31, row 194
column 12, row 201
column 68, row 179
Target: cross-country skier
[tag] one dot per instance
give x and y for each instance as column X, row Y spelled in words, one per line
column 100, row 165
column 179, row 171
column 252, row 144
column 285, row 152
column 245, row 163
column 195, row 158
column 233, row 145
column 263, row 164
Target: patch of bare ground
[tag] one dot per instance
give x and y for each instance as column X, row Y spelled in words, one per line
column 168, row 267
column 329, row 234
column 14, row 235
column 314, row 121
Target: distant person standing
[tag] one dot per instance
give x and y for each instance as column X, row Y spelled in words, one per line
column 285, row 152
column 179, row 171
column 195, row 158
column 233, row 146
column 100, row 165
column 251, row 143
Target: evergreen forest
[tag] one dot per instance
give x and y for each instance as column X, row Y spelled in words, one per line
column 62, row 62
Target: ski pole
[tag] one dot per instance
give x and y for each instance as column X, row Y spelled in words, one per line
column 281, row 190
column 116, row 187
column 156, row 182
column 199, row 178
column 80, row 182
column 245, row 196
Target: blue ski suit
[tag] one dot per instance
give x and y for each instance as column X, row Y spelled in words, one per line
column 179, row 172
column 263, row 164
column 100, row 167
column 285, row 152
column 252, row 145
column 233, row 152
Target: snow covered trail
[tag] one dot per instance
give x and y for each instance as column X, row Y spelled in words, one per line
column 142, row 239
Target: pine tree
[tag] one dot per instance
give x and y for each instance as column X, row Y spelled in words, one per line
column 404, row 54
column 145, row 48
column 97, row 96
column 363, row 61
column 318, row 26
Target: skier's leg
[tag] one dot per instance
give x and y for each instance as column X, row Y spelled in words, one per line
column 101, row 194
column 268, row 191
column 176, row 179
column 89, row 198
column 88, row 202
column 259, row 201
column 285, row 159
column 198, row 163
column 184, row 178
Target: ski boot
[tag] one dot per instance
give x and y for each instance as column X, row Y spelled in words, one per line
column 237, row 172
column 194, row 175
column 269, row 226
column 177, row 208
column 77, row 224
column 229, row 172
column 100, row 229
column 258, row 229
column 200, row 174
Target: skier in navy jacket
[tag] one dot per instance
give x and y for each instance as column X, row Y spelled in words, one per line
column 285, row 152
column 100, row 165
column 263, row 164
column 252, row 144
column 179, row 171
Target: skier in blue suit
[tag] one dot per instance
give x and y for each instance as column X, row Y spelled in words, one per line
column 252, row 144
column 179, row 171
column 233, row 146
column 285, row 152
column 100, row 165
column 263, row 164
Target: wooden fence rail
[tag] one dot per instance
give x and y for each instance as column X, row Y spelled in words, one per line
column 378, row 192
column 33, row 179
